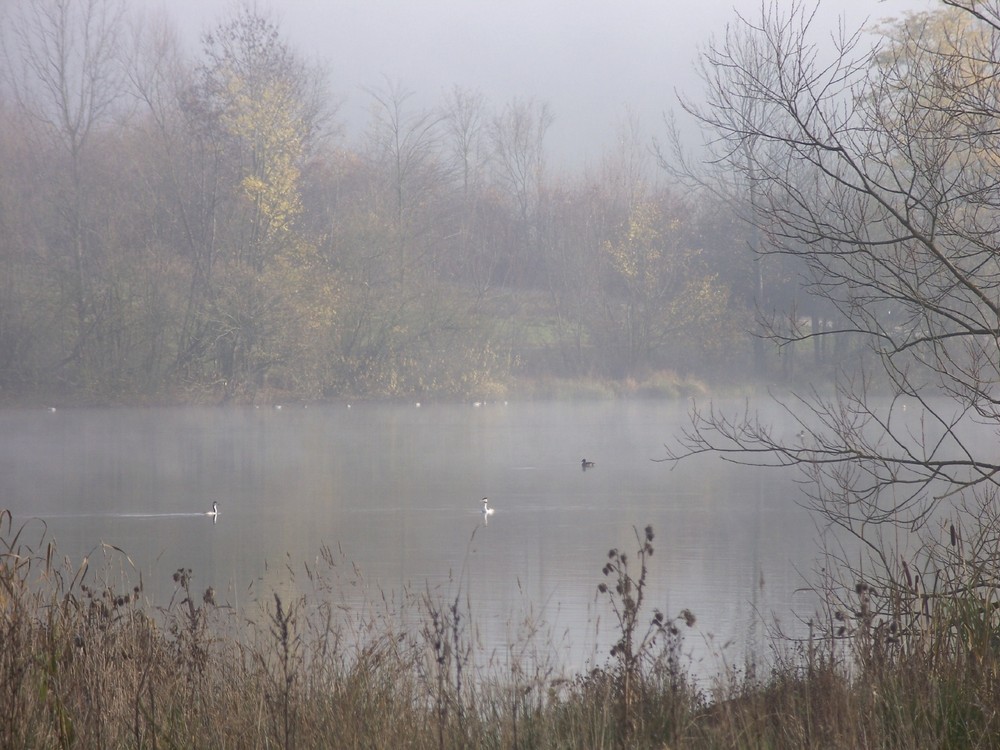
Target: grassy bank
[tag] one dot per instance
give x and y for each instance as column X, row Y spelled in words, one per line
column 86, row 661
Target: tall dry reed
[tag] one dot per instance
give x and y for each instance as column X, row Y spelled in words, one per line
column 86, row 661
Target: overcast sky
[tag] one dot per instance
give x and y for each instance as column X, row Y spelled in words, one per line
column 588, row 59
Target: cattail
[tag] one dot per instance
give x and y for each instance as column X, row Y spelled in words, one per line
column 954, row 536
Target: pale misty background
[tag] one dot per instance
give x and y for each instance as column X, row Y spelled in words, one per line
column 592, row 61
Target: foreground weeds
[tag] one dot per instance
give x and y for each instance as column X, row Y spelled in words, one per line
column 87, row 662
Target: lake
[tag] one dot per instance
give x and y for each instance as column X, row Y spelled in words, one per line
column 395, row 493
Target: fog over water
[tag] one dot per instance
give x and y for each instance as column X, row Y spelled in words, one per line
column 395, row 491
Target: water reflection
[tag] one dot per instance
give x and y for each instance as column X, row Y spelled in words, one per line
column 396, row 492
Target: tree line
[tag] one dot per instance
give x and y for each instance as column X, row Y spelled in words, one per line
column 196, row 225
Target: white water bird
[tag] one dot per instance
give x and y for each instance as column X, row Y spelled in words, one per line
column 487, row 510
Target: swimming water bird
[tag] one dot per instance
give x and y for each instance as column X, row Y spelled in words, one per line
column 585, row 464
column 215, row 510
column 487, row 510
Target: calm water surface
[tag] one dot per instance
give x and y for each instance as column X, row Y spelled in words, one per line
column 395, row 492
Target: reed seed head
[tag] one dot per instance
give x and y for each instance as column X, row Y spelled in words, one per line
column 649, row 533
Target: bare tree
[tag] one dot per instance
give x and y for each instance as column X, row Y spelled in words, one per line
column 464, row 122
column 404, row 151
column 875, row 168
column 626, row 167
column 517, row 136
column 64, row 71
